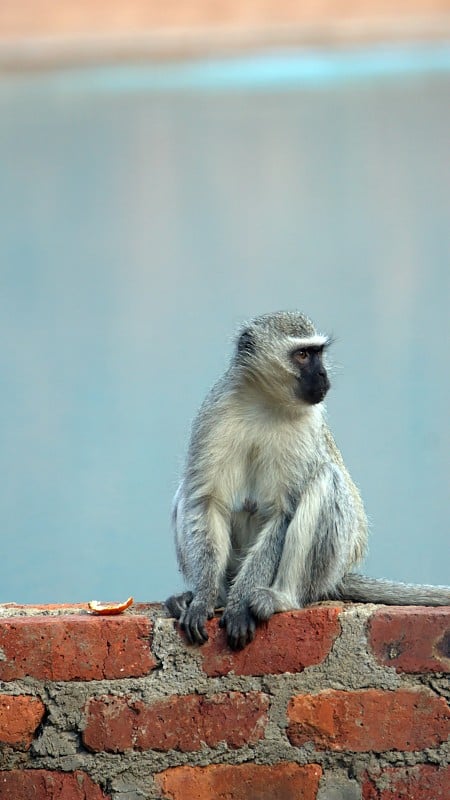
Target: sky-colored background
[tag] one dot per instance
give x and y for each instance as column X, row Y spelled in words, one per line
column 147, row 210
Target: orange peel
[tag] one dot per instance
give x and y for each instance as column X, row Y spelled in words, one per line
column 97, row 607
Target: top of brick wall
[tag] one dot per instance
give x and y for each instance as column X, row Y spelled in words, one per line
column 67, row 643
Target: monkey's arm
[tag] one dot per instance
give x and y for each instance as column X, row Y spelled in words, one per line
column 298, row 561
column 258, row 569
column 202, row 540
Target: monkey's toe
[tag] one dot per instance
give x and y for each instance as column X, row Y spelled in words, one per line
column 177, row 604
column 240, row 627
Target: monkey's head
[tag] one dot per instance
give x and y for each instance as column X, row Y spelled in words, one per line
column 282, row 355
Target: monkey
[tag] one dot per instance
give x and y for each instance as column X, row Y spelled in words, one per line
column 266, row 517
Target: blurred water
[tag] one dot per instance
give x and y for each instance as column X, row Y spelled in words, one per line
column 144, row 212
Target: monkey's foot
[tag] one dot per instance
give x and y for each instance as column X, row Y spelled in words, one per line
column 177, row 604
column 265, row 602
column 262, row 604
column 240, row 625
column 193, row 619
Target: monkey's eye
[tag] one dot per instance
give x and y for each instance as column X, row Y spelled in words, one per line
column 301, row 356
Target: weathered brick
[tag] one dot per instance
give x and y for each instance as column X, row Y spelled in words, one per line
column 72, row 647
column 423, row 782
column 412, row 639
column 289, row 642
column 243, row 782
column 41, row 784
column 20, row 716
column 185, row 723
column 370, row 719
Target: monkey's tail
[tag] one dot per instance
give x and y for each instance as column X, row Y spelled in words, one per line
column 362, row 589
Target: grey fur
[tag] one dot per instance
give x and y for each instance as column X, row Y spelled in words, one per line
column 362, row 589
column 266, row 517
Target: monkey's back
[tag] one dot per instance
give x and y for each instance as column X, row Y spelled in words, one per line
column 362, row 532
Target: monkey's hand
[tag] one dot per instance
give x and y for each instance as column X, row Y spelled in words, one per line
column 240, row 625
column 177, row 604
column 193, row 618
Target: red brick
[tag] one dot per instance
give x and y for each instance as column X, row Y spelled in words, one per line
column 370, row 719
column 41, row 784
column 413, row 639
column 185, row 723
column 243, row 782
column 73, row 647
column 289, row 642
column 423, row 782
column 19, row 718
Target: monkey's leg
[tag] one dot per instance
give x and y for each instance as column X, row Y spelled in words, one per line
column 258, row 569
column 203, row 543
column 316, row 550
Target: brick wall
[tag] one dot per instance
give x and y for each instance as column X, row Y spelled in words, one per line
column 330, row 703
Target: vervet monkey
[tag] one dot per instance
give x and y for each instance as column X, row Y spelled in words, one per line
column 266, row 516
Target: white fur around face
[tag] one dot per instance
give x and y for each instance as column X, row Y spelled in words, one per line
column 310, row 341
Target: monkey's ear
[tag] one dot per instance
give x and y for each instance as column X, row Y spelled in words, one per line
column 246, row 342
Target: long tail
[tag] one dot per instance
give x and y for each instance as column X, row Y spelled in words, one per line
column 362, row 589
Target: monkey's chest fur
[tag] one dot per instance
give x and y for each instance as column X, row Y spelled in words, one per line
column 256, row 472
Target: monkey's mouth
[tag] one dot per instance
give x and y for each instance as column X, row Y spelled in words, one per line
column 313, row 393
column 315, row 396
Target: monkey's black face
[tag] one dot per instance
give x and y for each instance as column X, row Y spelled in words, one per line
column 312, row 382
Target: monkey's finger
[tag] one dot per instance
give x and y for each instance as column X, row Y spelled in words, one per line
column 185, row 627
column 201, row 633
column 251, row 630
column 197, row 628
column 193, row 625
column 237, row 638
column 240, row 630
